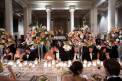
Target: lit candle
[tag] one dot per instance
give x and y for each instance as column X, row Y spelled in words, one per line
column 15, row 65
column 84, row 65
column 89, row 64
column 45, row 64
column 10, row 63
column 20, row 64
column 35, row 62
column 25, row 62
column 49, row 64
column 98, row 62
column 69, row 63
column 94, row 63
column 30, row 64
column 64, row 65
column 101, row 63
column 33, row 65
column 53, row 62
column 85, row 62
column 57, row 65
column 61, row 64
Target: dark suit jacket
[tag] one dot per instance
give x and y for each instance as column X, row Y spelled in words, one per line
column 88, row 57
column 114, row 79
column 86, row 54
column 31, row 57
column 114, row 52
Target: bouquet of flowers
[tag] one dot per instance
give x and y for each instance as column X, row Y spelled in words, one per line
column 79, row 37
column 6, row 39
column 96, row 77
column 43, row 78
column 38, row 35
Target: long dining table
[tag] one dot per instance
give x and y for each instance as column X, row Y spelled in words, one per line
column 30, row 71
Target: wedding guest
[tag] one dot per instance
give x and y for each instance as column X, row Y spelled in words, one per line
column 91, row 54
column 8, row 55
column 114, row 51
column 50, row 55
column 12, row 48
column 70, row 53
column 19, row 53
column 103, row 54
column 28, row 55
column 98, row 40
column 74, row 72
column 112, row 69
column 76, row 53
column 84, row 52
column 62, row 53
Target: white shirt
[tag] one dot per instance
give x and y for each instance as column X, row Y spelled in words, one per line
column 91, row 56
column 112, row 76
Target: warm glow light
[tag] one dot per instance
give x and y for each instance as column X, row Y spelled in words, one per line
column 69, row 3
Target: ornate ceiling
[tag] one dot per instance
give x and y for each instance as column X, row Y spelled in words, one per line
column 56, row 4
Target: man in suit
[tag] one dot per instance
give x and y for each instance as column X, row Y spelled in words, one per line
column 114, row 51
column 112, row 68
column 90, row 54
column 29, row 55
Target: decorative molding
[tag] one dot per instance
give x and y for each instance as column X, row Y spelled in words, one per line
column 100, row 2
column 23, row 3
column 62, row 4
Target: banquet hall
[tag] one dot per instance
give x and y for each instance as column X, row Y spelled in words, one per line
column 44, row 40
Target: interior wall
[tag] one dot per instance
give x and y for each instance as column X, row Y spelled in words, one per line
column 2, row 13
column 120, row 17
column 103, row 22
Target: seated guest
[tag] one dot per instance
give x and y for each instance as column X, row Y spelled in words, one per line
column 114, row 51
column 18, row 54
column 8, row 55
column 77, row 53
column 112, row 68
column 74, row 74
column 103, row 54
column 12, row 48
column 28, row 55
column 50, row 55
column 91, row 54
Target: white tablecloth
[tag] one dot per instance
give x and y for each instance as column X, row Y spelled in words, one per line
column 25, row 73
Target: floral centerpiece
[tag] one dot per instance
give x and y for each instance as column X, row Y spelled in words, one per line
column 2, row 34
column 96, row 77
column 114, row 34
column 81, row 37
column 6, row 39
column 43, row 78
column 37, row 36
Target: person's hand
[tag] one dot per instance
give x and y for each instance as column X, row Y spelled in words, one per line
column 13, row 77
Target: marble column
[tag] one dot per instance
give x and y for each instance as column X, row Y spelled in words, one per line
column 27, row 19
column 9, row 16
column 94, row 25
column 72, row 10
column 111, row 14
column 116, row 18
column 48, row 10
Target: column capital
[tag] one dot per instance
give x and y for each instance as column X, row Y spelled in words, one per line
column 72, row 8
column 48, row 8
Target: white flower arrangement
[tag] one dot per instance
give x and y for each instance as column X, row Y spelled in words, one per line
column 67, row 47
